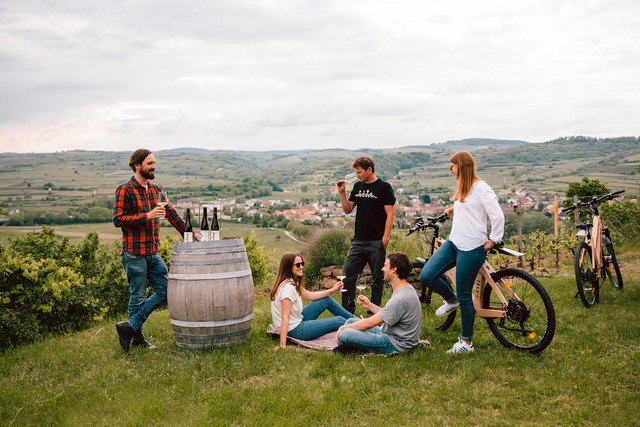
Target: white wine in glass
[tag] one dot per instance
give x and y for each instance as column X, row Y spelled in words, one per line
column 341, row 278
column 163, row 199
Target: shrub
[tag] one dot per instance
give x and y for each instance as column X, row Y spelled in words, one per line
column 261, row 268
column 48, row 285
column 411, row 246
column 623, row 220
column 325, row 248
column 166, row 245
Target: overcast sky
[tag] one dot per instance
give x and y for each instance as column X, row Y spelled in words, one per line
column 283, row 74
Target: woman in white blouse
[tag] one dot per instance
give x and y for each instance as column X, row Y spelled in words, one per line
column 467, row 246
column 286, row 304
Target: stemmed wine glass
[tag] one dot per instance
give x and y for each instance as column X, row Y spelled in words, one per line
column 361, row 286
column 341, row 278
column 163, row 198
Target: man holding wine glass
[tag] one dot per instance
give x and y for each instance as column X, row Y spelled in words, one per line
column 374, row 200
column 402, row 315
column 138, row 208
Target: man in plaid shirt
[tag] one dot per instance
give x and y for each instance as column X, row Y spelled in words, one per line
column 137, row 213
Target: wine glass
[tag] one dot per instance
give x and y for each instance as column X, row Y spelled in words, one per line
column 163, row 198
column 341, row 278
column 361, row 286
column 351, row 178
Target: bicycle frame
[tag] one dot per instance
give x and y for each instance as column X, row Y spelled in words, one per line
column 595, row 235
column 594, row 239
column 483, row 278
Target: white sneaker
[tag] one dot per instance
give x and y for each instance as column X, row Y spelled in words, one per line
column 461, row 347
column 446, row 308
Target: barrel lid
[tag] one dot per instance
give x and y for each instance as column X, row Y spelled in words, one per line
column 222, row 243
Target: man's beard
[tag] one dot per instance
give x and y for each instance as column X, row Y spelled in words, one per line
column 147, row 174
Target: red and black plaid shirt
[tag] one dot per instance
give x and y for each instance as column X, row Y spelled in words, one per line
column 140, row 236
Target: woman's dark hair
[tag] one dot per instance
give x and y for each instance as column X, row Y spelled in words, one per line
column 138, row 157
column 401, row 263
column 365, row 163
column 285, row 271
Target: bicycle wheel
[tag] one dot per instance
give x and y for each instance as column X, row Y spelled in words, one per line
column 586, row 278
column 611, row 267
column 531, row 319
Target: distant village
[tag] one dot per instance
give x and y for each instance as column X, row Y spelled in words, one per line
column 330, row 212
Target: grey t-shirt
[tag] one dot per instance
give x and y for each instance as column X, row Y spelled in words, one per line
column 402, row 318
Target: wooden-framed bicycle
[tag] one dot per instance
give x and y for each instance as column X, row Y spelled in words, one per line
column 515, row 305
column 595, row 259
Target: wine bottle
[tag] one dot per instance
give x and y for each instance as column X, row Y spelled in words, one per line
column 188, row 228
column 215, row 227
column 204, row 226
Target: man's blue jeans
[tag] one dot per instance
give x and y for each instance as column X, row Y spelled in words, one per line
column 467, row 265
column 140, row 269
column 370, row 340
column 361, row 253
column 311, row 327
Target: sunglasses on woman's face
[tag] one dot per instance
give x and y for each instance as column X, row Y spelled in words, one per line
column 451, row 166
column 299, row 264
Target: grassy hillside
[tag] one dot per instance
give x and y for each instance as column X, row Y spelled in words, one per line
column 87, row 179
column 588, row 376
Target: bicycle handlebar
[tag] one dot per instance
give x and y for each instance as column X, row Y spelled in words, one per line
column 593, row 202
column 433, row 223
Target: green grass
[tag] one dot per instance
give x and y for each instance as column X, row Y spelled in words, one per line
column 588, row 376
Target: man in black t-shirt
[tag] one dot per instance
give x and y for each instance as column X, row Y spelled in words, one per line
column 374, row 200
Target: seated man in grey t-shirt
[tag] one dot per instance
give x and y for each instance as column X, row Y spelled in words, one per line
column 402, row 315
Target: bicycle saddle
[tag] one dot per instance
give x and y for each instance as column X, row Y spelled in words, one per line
column 584, row 226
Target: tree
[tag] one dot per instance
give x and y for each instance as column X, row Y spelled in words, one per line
column 585, row 189
column 622, row 218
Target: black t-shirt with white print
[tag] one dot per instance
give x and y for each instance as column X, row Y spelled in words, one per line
column 370, row 201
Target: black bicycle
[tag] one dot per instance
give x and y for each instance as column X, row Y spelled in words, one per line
column 595, row 260
column 516, row 306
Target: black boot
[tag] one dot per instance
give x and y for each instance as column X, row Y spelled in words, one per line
column 125, row 334
column 140, row 342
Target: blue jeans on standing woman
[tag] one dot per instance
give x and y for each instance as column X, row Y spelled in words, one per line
column 140, row 269
column 467, row 265
column 311, row 327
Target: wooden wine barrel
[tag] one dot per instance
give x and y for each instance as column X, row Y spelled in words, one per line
column 210, row 294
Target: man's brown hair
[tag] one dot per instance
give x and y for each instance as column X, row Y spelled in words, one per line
column 364, row 162
column 138, row 157
column 401, row 263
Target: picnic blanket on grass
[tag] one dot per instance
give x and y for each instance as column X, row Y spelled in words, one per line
column 325, row 342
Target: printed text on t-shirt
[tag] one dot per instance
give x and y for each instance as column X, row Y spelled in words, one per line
column 365, row 193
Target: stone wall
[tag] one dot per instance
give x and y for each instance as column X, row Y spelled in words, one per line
column 328, row 277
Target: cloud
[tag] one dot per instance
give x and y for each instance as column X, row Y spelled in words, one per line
column 272, row 74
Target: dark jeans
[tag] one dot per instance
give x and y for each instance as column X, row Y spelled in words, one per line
column 361, row 253
column 467, row 265
column 140, row 269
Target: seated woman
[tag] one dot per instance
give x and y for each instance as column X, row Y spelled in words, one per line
column 286, row 304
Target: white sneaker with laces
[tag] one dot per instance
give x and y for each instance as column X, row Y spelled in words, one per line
column 447, row 308
column 461, row 347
